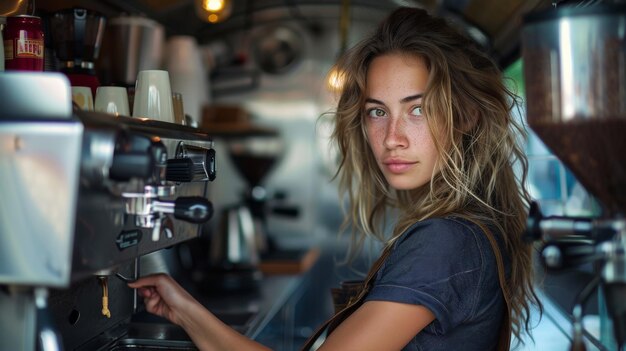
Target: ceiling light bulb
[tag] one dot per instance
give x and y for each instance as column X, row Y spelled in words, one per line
column 335, row 79
column 213, row 11
column 213, row 5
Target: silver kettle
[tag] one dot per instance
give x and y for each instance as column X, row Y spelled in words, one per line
column 234, row 245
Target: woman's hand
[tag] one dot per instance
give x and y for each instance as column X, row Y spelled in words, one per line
column 164, row 297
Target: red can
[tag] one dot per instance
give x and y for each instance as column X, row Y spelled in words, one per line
column 23, row 43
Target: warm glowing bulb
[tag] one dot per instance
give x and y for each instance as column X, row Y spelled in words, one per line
column 213, row 11
column 213, row 5
column 335, row 79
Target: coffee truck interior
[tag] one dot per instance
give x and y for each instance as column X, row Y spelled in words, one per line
column 254, row 76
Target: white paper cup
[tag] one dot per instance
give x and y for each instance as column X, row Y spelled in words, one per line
column 82, row 97
column 112, row 100
column 153, row 96
column 188, row 73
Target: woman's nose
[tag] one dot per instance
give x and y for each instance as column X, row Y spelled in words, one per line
column 395, row 135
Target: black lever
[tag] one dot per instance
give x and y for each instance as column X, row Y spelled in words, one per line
column 129, row 165
column 194, row 209
column 533, row 229
column 132, row 158
column 286, row 211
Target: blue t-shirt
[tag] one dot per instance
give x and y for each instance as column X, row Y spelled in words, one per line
column 448, row 266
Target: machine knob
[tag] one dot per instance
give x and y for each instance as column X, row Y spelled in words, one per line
column 180, row 170
column 210, row 157
column 194, row 209
column 184, row 170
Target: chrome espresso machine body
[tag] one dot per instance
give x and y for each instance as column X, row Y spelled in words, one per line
column 575, row 76
column 84, row 196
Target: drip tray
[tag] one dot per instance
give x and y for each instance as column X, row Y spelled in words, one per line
column 148, row 326
column 154, row 336
column 152, row 345
column 151, row 336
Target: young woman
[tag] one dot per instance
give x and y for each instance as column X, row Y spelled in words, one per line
column 424, row 127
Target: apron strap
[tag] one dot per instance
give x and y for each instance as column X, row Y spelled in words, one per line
column 344, row 313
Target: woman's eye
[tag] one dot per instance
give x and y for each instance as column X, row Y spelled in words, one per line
column 376, row 112
column 417, row 111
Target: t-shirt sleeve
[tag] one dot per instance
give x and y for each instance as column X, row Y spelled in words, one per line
column 437, row 263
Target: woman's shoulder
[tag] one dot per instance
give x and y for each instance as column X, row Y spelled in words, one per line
column 457, row 237
column 447, row 246
column 449, row 228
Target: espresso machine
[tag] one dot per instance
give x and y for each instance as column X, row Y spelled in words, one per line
column 575, row 73
column 84, row 196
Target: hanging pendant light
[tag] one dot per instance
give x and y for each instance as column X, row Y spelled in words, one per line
column 213, row 11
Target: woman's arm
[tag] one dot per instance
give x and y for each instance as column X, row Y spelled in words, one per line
column 166, row 298
column 376, row 325
column 379, row 325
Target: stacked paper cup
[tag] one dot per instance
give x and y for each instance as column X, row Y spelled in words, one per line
column 188, row 74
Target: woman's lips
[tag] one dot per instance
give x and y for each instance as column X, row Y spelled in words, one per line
column 397, row 166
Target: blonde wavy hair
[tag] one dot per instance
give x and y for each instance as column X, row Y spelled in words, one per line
column 469, row 112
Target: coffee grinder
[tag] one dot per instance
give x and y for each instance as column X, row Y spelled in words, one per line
column 576, row 103
column 77, row 35
column 241, row 238
column 254, row 157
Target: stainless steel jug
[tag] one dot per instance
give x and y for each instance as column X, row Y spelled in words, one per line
column 234, row 245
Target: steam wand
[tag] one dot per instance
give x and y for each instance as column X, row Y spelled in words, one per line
column 104, row 281
column 577, row 313
column 48, row 338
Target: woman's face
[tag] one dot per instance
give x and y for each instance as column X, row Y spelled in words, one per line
column 396, row 128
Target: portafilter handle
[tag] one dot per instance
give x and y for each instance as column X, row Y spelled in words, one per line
column 194, row 209
column 149, row 210
column 540, row 227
